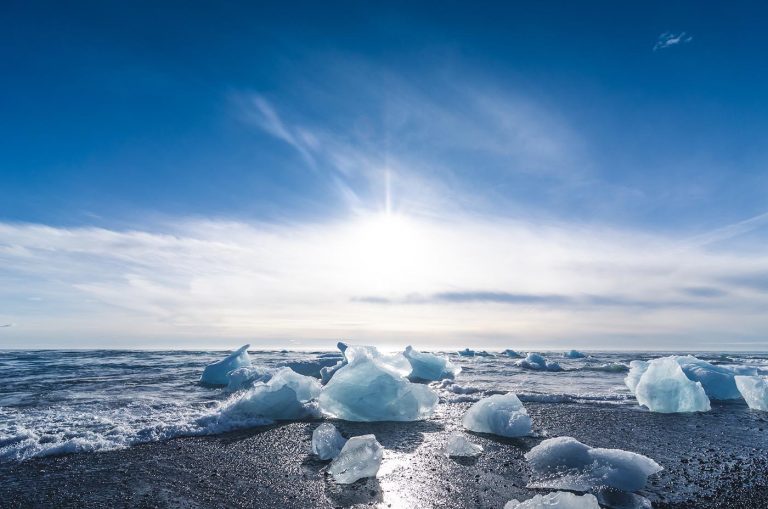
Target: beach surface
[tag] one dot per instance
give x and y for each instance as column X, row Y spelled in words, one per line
column 711, row 460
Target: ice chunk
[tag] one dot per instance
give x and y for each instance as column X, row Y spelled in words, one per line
column 538, row 362
column 483, row 353
column 754, row 389
column 565, row 463
column 717, row 381
column 241, row 378
column 556, row 500
column 500, row 414
column 360, row 457
column 311, row 367
column 283, row 397
column 511, row 353
column 374, row 387
column 573, row 354
column 327, row 442
column 427, row 366
column 459, row 446
column 467, row 353
column 216, row 373
column 663, row 387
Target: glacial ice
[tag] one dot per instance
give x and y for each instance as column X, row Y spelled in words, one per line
column 538, row 362
column 374, row 387
column 467, row 353
column 360, row 457
column 511, row 353
column 717, row 381
column 327, row 372
column 327, row 442
column 556, row 500
column 636, row 370
column 573, row 354
column 216, row 373
column 567, row 464
column 663, row 387
column 241, row 378
column 754, row 389
column 500, row 414
column 283, row 397
column 430, row 367
column 313, row 367
column 458, row 445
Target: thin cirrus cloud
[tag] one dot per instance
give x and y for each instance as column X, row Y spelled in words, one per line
column 434, row 281
column 669, row 39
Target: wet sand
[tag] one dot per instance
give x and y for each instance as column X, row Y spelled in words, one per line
column 717, row 459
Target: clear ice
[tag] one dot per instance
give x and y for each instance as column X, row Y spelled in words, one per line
column 662, row 386
column 360, row 457
column 430, row 367
column 327, row 442
column 458, row 445
column 556, row 500
column 754, row 389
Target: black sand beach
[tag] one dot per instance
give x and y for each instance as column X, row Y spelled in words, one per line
column 711, row 460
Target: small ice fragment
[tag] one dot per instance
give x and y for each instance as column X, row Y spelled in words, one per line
column 216, row 373
column 459, row 446
column 511, row 353
column 556, row 500
column 663, row 387
column 327, row 442
column 500, row 414
column 430, row 367
column 754, row 389
column 573, row 354
column 567, row 464
column 360, row 457
column 467, row 353
column 538, row 362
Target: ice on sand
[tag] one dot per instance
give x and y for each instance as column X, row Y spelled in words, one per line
column 375, row 387
column 718, row 381
column 360, row 457
column 556, row 500
column 663, row 387
column 458, row 445
column 327, row 442
column 284, row 397
column 754, row 389
column 430, row 367
column 216, row 373
column 567, row 464
column 500, row 414
column 538, row 362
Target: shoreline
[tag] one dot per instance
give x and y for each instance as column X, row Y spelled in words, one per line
column 710, row 460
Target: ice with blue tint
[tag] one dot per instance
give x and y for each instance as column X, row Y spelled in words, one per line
column 754, row 390
column 360, row 457
column 511, row 353
column 375, row 387
column 242, row 378
column 538, row 362
column 430, row 367
column 556, row 500
column 459, row 446
column 663, row 387
column 312, row 367
column 567, row 464
column 285, row 396
column 717, row 381
column 327, row 372
column 573, row 354
column 500, row 414
column 327, row 442
column 467, row 353
column 216, row 373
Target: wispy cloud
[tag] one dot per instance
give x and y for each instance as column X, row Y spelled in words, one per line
column 669, row 39
column 442, row 280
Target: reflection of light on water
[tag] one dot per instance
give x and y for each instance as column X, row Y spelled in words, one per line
column 395, row 492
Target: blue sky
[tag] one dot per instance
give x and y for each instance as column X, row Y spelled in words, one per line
column 165, row 165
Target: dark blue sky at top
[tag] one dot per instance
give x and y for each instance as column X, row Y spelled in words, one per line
column 118, row 112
